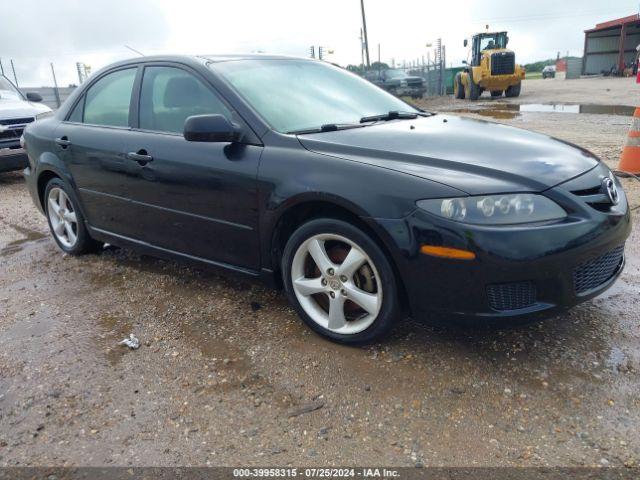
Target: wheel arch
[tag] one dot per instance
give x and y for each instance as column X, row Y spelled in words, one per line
column 50, row 166
column 311, row 208
column 43, row 179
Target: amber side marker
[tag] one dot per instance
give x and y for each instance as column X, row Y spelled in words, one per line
column 446, row 252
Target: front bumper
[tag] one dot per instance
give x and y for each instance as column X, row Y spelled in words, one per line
column 408, row 91
column 538, row 269
column 12, row 158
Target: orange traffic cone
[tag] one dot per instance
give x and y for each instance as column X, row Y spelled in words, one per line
column 630, row 160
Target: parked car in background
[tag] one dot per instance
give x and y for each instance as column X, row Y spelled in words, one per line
column 397, row 82
column 308, row 176
column 549, row 71
column 16, row 111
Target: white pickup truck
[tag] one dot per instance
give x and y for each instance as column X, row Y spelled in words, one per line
column 16, row 111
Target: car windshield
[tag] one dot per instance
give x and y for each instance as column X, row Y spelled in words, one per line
column 396, row 74
column 294, row 95
column 7, row 90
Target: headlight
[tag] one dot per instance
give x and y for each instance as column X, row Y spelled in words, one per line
column 495, row 209
column 42, row 115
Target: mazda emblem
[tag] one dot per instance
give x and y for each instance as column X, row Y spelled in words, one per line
column 611, row 190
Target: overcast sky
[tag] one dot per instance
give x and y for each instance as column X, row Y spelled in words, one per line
column 38, row 32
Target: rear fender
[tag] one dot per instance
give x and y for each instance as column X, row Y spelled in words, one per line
column 49, row 163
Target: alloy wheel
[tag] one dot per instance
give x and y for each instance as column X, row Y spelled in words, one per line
column 336, row 283
column 62, row 216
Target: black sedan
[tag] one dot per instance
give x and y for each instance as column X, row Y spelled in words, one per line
column 362, row 207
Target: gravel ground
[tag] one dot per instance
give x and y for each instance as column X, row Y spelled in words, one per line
column 227, row 374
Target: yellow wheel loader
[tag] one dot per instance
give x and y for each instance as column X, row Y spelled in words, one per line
column 492, row 67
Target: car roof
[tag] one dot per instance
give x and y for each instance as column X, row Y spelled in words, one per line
column 217, row 58
column 249, row 56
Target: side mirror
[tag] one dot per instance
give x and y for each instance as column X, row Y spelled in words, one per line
column 465, row 42
column 464, row 62
column 211, row 128
column 34, row 97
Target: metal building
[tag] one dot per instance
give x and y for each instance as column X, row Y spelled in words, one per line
column 611, row 44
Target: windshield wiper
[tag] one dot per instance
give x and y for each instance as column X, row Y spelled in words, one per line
column 332, row 127
column 327, row 127
column 394, row 115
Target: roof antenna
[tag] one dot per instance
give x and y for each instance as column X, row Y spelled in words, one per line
column 134, row 50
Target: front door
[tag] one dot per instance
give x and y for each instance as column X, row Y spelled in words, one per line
column 195, row 198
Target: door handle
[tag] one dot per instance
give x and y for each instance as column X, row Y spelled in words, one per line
column 64, row 142
column 140, row 156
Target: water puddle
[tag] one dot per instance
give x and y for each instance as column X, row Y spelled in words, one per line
column 28, row 236
column 512, row 110
column 112, row 330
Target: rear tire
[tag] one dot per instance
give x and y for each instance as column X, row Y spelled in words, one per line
column 66, row 221
column 458, row 88
column 513, row 90
column 340, row 282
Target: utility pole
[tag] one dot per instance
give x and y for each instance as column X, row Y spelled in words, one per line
column 364, row 29
column 379, row 53
column 444, row 70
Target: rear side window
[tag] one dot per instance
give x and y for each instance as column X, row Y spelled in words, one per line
column 107, row 101
column 169, row 95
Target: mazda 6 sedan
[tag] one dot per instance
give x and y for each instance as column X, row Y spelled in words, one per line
column 364, row 208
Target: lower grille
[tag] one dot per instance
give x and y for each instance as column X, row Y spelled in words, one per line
column 511, row 296
column 11, row 134
column 503, row 63
column 595, row 272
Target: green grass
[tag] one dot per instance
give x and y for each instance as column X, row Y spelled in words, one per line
column 533, row 75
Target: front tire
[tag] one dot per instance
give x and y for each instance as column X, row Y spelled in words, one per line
column 66, row 221
column 340, row 282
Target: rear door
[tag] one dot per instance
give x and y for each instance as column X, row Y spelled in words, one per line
column 92, row 142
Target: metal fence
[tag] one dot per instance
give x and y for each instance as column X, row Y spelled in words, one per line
column 438, row 81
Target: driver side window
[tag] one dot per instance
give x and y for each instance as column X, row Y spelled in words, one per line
column 170, row 95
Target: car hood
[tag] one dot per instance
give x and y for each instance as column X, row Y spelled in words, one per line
column 474, row 156
column 12, row 108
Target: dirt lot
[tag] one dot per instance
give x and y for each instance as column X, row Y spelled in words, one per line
column 227, row 374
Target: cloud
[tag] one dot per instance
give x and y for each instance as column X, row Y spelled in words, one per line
column 66, row 31
column 96, row 31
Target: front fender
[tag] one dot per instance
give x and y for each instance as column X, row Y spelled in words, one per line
column 291, row 175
